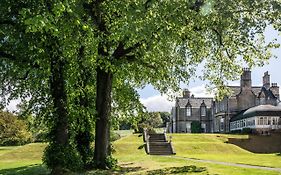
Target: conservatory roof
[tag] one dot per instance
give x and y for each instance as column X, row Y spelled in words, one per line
column 261, row 110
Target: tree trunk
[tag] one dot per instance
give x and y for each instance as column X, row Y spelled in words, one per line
column 103, row 106
column 59, row 97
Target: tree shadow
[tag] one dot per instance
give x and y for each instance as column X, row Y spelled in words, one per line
column 117, row 171
column 37, row 169
column 178, row 170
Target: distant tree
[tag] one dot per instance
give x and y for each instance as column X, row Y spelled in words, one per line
column 165, row 118
column 154, row 119
column 13, row 131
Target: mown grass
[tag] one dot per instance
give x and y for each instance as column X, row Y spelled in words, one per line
column 214, row 147
column 26, row 160
column 13, row 157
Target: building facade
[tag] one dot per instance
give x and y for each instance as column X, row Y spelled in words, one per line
column 216, row 116
column 260, row 119
column 243, row 97
column 189, row 111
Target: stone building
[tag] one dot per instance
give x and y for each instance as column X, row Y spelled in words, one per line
column 260, row 119
column 242, row 98
column 190, row 110
column 215, row 116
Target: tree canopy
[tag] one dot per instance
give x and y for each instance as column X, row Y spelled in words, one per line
column 78, row 60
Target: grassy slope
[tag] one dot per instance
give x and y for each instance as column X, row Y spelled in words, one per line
column 21, row 155
column 128, row 154
column 213, row 147
column 134, row 161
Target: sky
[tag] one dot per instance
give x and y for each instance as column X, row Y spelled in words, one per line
column 154, row 101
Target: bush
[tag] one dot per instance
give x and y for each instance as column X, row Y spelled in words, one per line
column 65, row 155
column 196, row 127
column 246, row 131
column 13, row 131
column 114, row 136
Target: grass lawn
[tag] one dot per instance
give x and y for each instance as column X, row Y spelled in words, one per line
column 213, row 147
column 26, row 160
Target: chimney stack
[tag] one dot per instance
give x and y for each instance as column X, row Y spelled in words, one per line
column 186, row 93
column 266, row 80
column 246, row 80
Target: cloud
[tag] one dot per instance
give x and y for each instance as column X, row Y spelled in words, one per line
column 200, row 91
column 158, row 103
column 161, row 102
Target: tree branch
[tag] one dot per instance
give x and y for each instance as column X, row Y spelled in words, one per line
column 6, row 55
column 25, row 75
column 120, row 51
column 132, row 58
column 7, row 22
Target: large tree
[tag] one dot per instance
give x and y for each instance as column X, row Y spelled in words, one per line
column 66, row 54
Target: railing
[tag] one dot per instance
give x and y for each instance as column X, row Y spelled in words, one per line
column 146, row 140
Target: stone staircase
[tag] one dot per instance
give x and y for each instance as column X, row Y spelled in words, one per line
column 157, row 144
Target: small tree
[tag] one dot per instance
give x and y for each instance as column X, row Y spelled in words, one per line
column 12, row 130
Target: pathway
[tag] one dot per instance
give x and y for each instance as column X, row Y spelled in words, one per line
column 228, row 163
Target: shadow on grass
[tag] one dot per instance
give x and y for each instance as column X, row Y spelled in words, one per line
column 119, row 170
column 178, row 170
column 278, row 154
column 36, row 169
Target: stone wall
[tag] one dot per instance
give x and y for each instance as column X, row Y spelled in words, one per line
column 260, row 143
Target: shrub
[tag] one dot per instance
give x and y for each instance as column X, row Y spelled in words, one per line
column 246, row 131
column 13, row 131
column 114, row 136
column 196, row 127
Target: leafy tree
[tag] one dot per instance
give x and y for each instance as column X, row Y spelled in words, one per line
column 13, row 131
column 165, row 117
column 66, row 54
column 155, row 119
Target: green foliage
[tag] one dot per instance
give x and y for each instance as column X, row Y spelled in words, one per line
column 13, row 131
column 196, row 127
column 154, row 119
column 165, row 116
column 114, row 136
column 149, row 121
column 246, row 131
column 66, row 156
column 111, row 162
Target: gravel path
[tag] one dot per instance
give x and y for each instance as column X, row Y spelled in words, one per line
column 228, row 163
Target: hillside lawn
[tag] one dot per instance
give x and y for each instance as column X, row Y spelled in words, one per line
column 26, row 160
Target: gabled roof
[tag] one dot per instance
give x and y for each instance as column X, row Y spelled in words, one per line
column 237, row 89
column 267, row 93
column 194, row 102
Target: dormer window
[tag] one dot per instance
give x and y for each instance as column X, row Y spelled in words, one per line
column 188, row 110
column 203, row 109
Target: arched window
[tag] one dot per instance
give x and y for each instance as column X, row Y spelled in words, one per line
column 203, row 111
column 188, row 110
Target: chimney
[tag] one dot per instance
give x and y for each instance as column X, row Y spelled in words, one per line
column 186, row 93
column 275, row 90
column 246, row 81
column 266, row 80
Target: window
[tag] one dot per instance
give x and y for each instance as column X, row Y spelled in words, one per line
column 188, row 108
column 203, row 109
column 188, row 111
